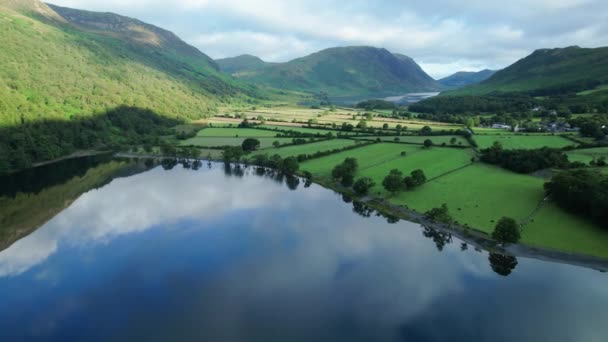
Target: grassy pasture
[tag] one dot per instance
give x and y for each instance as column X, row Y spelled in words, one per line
column 339, row 116
column 230, row 141
column 305, row 130
column 493, row 131
column 367, row 156
column 375, row 161
column 236, row 132
column 311, row 148
column 414, row 139
column 478, row 195
column 434, row 162
column 558, row 229
column 523, row 141
column 587, row 155
column 591, row 91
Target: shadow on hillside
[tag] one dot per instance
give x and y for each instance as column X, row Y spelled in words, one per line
column 25, row 144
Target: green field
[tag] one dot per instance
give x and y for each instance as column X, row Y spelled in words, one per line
column 591, row 91
column 367, row 156
column 434, row 162
column 414, row 139
column 217, row 137
column 305, row 130
column 377, row 160
column 236, row 132
column 587, row 155
column 478, row 195
column 527, row 142
column 228, row 141
column 555, row 228
column 493, row 131
column 310, row 148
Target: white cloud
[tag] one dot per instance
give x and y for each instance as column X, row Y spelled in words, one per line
column 142, row 204
column 440, row 34
column 271, row 47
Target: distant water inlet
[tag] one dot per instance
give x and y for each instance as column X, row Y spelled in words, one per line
column 410, row 97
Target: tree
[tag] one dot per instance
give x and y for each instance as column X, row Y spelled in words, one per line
column 363, row 185
column 426, row 130
column 362, row 124
column 290, row 165
column 393, row 182
column 250, row 144
column 168, row 150
column 419, row 177
column 5, row 165
column 506, row 231
column 385, row 126
column 345, row 172
column 261, row 159
column 453, row 141
column 441, row 214
column 233, row 153
column 428, row 143
column 347, row 127
column 276, row 143
column 347, row 180
column 582, row 192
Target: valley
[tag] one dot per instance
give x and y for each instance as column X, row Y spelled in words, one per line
column 272, row 175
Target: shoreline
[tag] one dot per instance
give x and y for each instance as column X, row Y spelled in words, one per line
column 469, row 235
column 477, row 238
column 77, row 154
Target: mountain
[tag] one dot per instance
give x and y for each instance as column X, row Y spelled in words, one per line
column 465, row 78
column 347, row 71
column 59, row 62
column 240, row 65
column 548, row 72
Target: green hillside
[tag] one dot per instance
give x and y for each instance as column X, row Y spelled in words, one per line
column 465, row 78
column 241, row 65
column 57, row 62
column 548, row 72
column 347, row 71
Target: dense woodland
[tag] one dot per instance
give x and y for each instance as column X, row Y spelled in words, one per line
column 28, row 143
column 583, row 192
column 512, row 103
column 525, row 161
column 57, row 71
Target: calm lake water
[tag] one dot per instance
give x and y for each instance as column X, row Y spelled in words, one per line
column 140, row 253
column 410, row 98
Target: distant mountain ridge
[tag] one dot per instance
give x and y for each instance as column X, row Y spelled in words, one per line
column 343, row 72
column 465, row 78
column 548, row 71
column 130, row 29
column 241, row 64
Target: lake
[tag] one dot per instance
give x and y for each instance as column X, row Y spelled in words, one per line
column 115, row 250
column 410, row 98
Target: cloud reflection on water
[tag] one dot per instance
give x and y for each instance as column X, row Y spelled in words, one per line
column 307, row 268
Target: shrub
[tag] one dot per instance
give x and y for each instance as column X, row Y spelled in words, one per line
column 506, row 231
column 363, row 185
column 250, row 144
column 441, row 214
column 393, row 182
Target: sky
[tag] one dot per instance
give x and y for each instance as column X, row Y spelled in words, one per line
column 443, row 36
